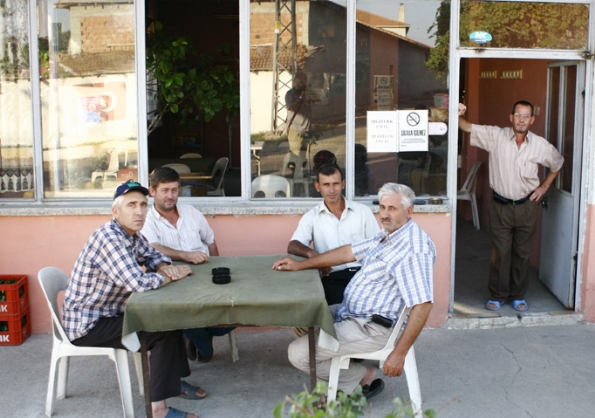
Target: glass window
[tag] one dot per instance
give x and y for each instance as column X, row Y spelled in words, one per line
column 394, row 41
column 298, row 84
column 16, row 135
column 88, row 92
column 193, row 93
column 524, row 25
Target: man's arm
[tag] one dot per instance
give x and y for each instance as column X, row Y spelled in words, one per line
column 464, row 124
column 330, row 258
column 213, row 250
column 194, row 257
column 173, row 273
column 393, row 366
column 295, row 247
column 538, row 193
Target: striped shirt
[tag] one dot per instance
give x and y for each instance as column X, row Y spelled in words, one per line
column 191, row 233
column 514, row 171
column 396, row 271
column 107, row 271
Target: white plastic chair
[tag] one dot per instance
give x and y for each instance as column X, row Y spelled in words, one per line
column 410, row 367
column 270, row 186
column 219, row 169
column 467, row 192
column 191, row 155
column 112, row 170
column 52, row 281
column 180, row 168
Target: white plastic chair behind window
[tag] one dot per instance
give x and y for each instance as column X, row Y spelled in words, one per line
column 467, row 192
column 410, row 367
column 52, row 281
column 270, row 186
column 180, row 168
column 218, row 178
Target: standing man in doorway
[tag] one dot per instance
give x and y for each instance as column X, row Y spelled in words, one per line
column 515, row 156
column 335, row 222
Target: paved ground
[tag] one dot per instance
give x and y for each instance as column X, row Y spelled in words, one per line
column 540, row 372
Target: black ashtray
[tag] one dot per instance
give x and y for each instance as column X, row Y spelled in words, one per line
column 222, row 279
column 218, row 271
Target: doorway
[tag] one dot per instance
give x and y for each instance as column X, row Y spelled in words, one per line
column 555, row 88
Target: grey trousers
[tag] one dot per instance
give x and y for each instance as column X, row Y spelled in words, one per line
column 355, row 335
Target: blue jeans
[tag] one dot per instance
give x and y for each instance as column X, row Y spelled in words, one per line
column 201, row 337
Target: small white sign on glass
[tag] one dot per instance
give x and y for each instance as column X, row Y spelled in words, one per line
column 382, row 131
column 412, row 130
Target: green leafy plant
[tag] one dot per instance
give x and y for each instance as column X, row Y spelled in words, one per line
column 197, row 88
column 314, row 405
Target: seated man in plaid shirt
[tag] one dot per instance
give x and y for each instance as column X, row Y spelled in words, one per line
column 107, row 271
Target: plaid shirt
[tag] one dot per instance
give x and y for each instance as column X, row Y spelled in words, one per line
column 397, row 270
column 107, row 270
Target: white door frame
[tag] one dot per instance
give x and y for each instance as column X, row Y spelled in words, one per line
column 456, row 53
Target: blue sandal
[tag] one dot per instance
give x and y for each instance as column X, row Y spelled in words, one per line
column 496, row 305
column 520, row 305
column 188, row 391
column 175, row 413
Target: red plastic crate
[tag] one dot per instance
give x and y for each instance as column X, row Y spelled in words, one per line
column 14, row 329
column 13, row 296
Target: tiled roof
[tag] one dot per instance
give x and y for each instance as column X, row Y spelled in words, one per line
column 111, row 62
column 372, row 20
column 261, row 57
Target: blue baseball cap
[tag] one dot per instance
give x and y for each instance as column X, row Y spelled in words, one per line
column 130, row 186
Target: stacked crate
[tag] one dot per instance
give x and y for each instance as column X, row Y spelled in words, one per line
column 15, row 320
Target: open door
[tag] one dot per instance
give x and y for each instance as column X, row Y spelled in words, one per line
column 564, row 129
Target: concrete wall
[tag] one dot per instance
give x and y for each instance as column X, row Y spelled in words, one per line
column 38, row 242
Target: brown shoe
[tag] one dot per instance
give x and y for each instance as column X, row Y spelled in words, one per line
column 205, row 359
column 191, row 350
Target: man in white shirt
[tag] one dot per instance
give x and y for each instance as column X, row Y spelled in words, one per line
column 333, row 223
column 515, row 156
column 182, row 233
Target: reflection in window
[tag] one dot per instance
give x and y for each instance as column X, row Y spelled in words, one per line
column 526, row 24
column 16, row 135
column 297, row 78
column 88, row 94
column 393, row 47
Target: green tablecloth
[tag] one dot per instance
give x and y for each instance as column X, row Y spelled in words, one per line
column 256, row 295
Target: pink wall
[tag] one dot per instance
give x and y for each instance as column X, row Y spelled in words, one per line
column 57, row 240
column 587, row 290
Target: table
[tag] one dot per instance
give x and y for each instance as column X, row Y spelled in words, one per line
column 255, row 148
column 256, row 296
column 195, row 177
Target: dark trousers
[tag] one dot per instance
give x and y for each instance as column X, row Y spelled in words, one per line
column 513, row 229
column 335, row 283
column 167, row 363
column 201, row 337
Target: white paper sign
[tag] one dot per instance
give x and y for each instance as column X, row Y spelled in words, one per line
column 412, row 130
column 382, row 131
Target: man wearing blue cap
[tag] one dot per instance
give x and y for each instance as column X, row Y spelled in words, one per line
column 107, row 271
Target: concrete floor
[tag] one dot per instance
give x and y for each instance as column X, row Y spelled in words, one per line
column 474, row 249
column 524, row 372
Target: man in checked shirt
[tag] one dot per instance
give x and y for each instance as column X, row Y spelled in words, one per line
column 107, row 271
column 397, row 271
